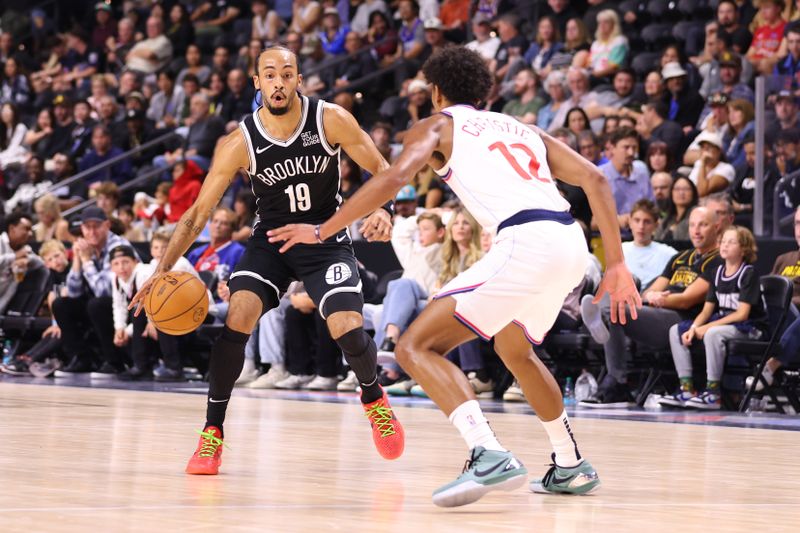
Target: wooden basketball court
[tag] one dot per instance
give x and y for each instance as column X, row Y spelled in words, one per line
column 104, row 460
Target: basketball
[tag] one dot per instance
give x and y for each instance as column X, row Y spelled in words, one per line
column 177, row 303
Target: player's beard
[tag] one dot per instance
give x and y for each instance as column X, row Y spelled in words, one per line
column 278, row 111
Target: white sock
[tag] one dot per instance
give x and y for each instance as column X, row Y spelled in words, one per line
column 473, row 426
column 563, row 442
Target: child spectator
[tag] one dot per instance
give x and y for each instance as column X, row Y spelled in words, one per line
column 126, row 218
column 734, row 309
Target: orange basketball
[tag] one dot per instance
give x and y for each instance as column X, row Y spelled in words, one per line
column 177, row 303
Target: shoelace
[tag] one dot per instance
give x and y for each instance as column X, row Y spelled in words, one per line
column 210, row 444
column 381, row 416
column 471, row 461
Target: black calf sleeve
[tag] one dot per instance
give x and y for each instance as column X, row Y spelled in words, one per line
column 224, row 366
column 361, row 354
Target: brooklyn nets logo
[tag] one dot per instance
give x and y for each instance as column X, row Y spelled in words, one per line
column 337, row 273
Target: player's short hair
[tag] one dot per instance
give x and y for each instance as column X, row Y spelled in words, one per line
column 433, row 217
column 273, row 48
column 51, row 246
column 460, row 74
column 647, row 207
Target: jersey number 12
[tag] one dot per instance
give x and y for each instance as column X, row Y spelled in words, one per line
column 533, row 163
column 299, row 197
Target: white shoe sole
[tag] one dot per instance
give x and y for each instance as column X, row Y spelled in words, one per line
column 592, row 319
column 616, row 405
column 386, row 358
column 470, row 492
column 537, row 488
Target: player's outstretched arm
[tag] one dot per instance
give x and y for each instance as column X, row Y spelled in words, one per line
column 230, row 156
column 570, row 167
column 342, row 128
column 420, row 143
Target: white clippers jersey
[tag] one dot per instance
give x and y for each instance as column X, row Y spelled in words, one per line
column 498, row 167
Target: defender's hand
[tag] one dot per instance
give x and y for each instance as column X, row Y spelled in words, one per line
column 138, row 299
column 293, row 234
column 377, row 226
column 619, row 285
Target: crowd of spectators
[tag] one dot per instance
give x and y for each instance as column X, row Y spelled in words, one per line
column 667, row 117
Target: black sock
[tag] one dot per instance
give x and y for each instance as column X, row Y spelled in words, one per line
column 361, row 354
column 224, row 367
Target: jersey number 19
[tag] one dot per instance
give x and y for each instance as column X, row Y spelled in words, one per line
column 299, row 197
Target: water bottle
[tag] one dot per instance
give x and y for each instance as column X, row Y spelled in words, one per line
column 585, row 386
column 569, row 393
column 7, row 355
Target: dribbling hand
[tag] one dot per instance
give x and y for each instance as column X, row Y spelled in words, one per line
column 138, row 299
column 618, row 283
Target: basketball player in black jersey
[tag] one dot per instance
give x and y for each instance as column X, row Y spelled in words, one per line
column 290, row 148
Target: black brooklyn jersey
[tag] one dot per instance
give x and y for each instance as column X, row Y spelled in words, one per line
column 297, row 180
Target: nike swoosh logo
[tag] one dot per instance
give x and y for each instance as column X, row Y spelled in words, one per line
column 482, row 473
column 261, row 150
column 212, row 400
column 341, row 237
column 558, row 480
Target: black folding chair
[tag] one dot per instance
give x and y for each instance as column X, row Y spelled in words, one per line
column 777, row 291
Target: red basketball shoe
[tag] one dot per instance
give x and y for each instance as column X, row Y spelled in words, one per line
column 387, row 432
column 208, row 455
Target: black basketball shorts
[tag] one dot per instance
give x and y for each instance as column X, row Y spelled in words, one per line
column 329, row 272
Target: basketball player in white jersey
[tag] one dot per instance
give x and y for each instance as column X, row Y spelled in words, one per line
column 503, row 173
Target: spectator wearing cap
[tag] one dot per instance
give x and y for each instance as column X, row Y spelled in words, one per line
column 87, row 306
column 333, row 32
column 684, row 104
column 16, row 256
column 767, row 36
column 710, row 173
column 785, row 114
column 434, row 38
column 627, row 176
column 140, row 131
column 150, row 55
column 653, row 125
column 136, row 100
column 484, row 43
column 105, row 27
column 526, row 102
column 411, row 109
column 741, row 121
column 789, row 65
column 724, row 74
column 715, row 121
column 101, row 151
column 787, row 151
column 405, row 202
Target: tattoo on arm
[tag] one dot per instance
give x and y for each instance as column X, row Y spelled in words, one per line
column 194, row 229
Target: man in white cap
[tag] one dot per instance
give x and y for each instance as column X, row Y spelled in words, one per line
column 684, row 104
column 709, row 172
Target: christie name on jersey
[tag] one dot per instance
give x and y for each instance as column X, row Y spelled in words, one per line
column 293, row 166
column 475, row 126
